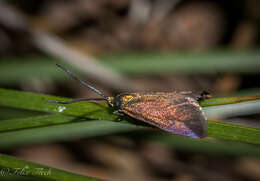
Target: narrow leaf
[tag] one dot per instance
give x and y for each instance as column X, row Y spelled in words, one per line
column 69, row 131
column 138, row 63
column 19, row 99
column 206, row 146
column 233, row 132
column 89, row 128
column 26, row 168
column 89, row 110
column 35, row 121
column 227, row 100
column 37, row 102
column 211, row 62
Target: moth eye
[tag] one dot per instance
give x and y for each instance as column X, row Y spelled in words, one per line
column 127, row 98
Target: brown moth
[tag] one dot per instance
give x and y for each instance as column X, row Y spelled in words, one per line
column 178, row 113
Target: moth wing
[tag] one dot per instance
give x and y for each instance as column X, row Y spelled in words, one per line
column 179, row 115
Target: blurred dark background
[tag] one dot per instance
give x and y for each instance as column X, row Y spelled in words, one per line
column 88, row 35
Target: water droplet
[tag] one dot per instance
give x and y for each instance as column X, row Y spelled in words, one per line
column 61, row 108
column 26, row 166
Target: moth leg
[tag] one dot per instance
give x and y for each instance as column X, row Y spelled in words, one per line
column 117, row 112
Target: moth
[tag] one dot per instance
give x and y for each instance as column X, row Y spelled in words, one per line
column 175, row 112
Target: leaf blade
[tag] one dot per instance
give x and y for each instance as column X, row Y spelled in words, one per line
column 18, row 99
column 67, row 131
column 31, row 168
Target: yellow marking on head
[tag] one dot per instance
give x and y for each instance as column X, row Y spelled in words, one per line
column 127, row 98
column 110, row 100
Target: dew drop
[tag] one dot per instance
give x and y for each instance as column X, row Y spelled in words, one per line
column 61, row 108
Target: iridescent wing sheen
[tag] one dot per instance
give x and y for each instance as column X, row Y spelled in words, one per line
column 172, row 112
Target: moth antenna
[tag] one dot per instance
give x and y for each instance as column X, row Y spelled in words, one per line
column 81, row 81
column 76, row 100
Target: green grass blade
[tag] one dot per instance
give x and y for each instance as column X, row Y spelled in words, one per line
column 16, row 69
column 13, row 166
column 11, row 113
column 63, row 132
column 36, row 102
column 35, row 121
column 227, row 100
column 206, row 146
column 89, row 128
column 233, row 132
column 215, row 129
column 89, row 110
column 140, row 63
